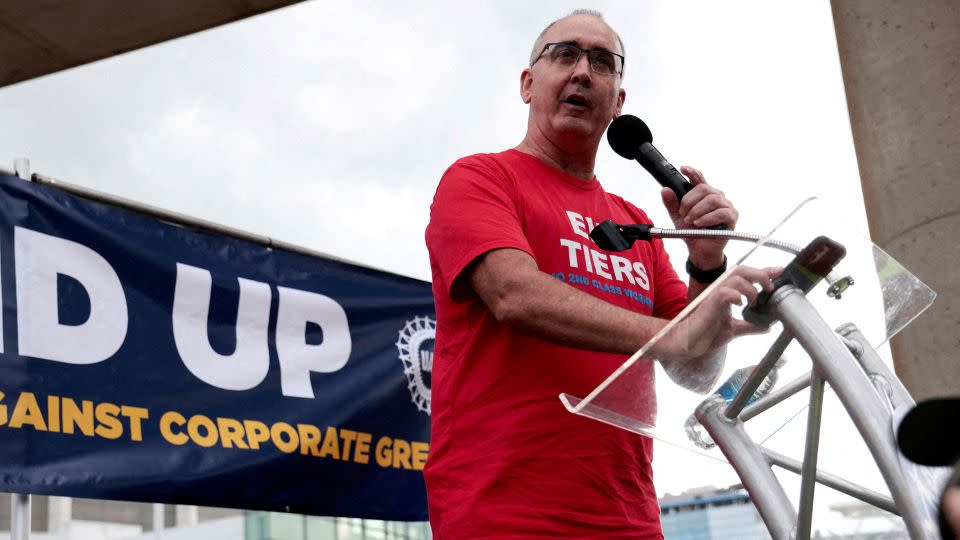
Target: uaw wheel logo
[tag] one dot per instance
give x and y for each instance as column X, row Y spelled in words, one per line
column 416, row 352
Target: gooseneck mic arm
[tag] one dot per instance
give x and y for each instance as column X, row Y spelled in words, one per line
column 611, row 236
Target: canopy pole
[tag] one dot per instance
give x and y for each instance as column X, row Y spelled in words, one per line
column 20, row 502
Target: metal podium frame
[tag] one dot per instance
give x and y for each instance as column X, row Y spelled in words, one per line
column 865, row 387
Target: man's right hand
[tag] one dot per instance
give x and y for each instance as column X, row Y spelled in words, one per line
column 711, row 324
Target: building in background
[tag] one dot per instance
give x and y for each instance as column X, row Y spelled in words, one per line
column 862, row 521
column 703, row 513
column 118, row 520
column 274, row 526
column 708, row 513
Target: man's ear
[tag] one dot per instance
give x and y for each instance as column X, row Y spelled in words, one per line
column 526, row 82
column 621, row 96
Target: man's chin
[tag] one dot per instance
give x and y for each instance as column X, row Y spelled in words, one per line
column 579, row 128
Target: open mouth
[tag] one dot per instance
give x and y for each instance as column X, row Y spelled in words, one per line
column 579, row 101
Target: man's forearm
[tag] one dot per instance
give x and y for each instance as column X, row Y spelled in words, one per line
column 698, row 374
column 542, row 306
column 560, row 313
column 694, row 289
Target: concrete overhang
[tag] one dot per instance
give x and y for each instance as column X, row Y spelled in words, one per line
column 38, row 37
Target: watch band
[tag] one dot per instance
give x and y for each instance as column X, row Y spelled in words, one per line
column 706, row 276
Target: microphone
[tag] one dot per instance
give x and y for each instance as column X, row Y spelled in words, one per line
column 927, row 435
column 631, row 138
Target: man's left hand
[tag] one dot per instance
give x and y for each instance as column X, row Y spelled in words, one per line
column 703, row 206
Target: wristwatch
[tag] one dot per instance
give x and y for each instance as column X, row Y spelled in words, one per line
column 706, row 276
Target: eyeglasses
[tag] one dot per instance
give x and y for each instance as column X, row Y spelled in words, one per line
column 567, row 55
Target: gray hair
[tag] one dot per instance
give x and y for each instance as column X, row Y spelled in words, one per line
column 538, row 43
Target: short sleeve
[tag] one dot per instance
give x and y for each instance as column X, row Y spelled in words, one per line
column 670, row 293
column 474, row 211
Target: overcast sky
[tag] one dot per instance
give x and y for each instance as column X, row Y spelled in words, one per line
column 328, row 124
column 318, row 123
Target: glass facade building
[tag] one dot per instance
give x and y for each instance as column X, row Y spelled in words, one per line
column 711, row 514
column 275, row 526
column 701, row 514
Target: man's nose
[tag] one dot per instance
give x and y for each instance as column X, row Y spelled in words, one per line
column 581, row 73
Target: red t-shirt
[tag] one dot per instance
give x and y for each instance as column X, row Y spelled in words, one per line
column 506, row 458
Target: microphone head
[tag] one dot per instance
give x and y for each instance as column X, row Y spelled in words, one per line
column 928, row 434
column 625, row 135
column 609, row 237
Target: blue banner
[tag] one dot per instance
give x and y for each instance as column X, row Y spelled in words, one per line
column 146, row 361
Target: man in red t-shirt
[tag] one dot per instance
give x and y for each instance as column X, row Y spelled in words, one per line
column 528, row 307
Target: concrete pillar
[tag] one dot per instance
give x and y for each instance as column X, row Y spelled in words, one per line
column 59, row 515
column 187, row 516
column 901, row 69
column 158, row 520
